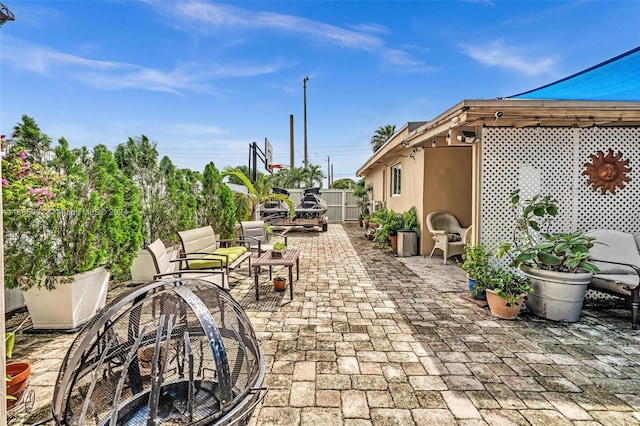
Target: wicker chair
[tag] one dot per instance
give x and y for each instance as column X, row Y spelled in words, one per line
column 447, row 233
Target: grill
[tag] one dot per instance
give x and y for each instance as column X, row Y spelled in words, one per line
column 172, row 352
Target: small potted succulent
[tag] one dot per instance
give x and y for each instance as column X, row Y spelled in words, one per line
column 278, row 250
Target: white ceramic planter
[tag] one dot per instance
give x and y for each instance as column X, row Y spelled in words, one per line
column 13, row 299
column 69, row 305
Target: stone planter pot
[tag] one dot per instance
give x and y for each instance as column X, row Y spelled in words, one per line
column 556, row 296
column 407, row 243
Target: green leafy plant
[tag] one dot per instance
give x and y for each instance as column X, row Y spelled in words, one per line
column 67, row 212
column 533, row 245
column 475, row 261
column 362, row 192
column 506, row 283
column 410, row 221
column 389, row 223
column 279, row 245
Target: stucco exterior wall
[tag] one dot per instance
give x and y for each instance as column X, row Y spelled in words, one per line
column 447, row 186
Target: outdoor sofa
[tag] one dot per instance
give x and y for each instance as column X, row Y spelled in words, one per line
column 617, row 255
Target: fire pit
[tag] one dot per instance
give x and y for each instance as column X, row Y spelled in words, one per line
column 173, row 352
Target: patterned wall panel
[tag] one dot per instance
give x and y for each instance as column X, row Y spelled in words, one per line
column 551, row 161
column 621, row 210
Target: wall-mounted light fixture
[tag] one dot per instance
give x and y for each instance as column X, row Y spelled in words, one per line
column 467, row 137
column 5, row 14
column 434, row 144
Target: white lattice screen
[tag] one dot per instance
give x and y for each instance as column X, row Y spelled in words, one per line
column 551, row 161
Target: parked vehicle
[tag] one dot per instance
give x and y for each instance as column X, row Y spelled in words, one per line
column 310, row 212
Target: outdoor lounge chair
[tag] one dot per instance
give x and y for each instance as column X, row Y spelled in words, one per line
column 165, row 267
column 202, row 250
column 617, row 255
column 255, row 233
column 448, row 235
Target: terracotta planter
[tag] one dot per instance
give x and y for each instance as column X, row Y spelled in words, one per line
column 394, row 242
column 279, row 284
column 19, row 372
column 499, row 308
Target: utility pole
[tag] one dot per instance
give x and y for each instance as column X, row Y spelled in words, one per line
column 328, row 172
column 306, row 157
column 291, row 146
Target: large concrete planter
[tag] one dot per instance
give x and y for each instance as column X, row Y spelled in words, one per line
column 13, row 299
column 556, row 296
column 69, row 305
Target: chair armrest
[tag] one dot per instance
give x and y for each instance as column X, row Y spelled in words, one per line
column 466, row 235
column 241, row 241
column 635, row 268
column 281, row 236
column 439, row 232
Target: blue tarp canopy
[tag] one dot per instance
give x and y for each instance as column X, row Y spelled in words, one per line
column 617, row 79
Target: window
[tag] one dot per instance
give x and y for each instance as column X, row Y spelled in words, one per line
column 395, row 180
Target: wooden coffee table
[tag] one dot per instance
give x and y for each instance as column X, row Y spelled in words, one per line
column 288, row 259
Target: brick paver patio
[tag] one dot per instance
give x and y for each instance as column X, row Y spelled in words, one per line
column 371, row 339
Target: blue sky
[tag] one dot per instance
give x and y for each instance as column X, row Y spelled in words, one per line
column 205, row 79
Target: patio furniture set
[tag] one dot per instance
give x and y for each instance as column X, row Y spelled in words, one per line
column 204, row 256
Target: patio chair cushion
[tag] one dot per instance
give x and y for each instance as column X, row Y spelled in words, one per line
column 217, row 258
column 614, row 246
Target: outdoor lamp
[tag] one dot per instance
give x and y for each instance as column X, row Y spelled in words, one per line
column 5, row 14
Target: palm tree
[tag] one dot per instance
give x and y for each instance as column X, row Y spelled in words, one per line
column 247, row 204
column 296, row 177
column 382, row 135
column 314, row 175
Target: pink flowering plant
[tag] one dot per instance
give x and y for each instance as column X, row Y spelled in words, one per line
column 65, row 212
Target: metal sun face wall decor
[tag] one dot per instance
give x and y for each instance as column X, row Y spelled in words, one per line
column 607, row 172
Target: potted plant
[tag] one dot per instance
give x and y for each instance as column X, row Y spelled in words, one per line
column 279, row 283
column 475, row 262
column 557, row 263
column 278, row 250
column 408, row 233
column 17, row 373
column 505, row 290
column 362, row 193
column 70, row 221
column 389, row 224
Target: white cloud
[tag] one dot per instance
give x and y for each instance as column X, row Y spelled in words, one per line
column 497, row 54
column 212, row 16
column 112, row 75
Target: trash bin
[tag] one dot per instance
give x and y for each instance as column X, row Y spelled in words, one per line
column 407, row 243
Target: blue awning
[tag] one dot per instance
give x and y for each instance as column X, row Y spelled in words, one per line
column 617, row 79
